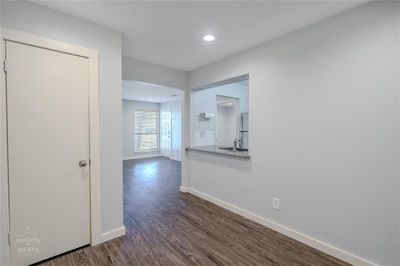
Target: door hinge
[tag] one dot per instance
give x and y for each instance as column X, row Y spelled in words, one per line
column 5, row 66
column 9, row 238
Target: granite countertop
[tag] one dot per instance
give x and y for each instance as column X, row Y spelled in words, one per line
column 216, row 150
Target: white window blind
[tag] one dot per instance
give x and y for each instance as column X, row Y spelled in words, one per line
column 146, row 131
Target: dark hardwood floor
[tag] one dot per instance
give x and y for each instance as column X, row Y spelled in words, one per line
column 166, row 227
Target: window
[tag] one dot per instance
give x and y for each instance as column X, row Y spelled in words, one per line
column 146, row 131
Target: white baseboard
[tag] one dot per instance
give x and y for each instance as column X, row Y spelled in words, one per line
column 113, row 234
column 175, row 158
column 184, row 189
column 144, row 156
column 315, row 243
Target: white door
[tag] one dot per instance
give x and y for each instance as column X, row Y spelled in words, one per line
column 165, row 122
column 48, row 136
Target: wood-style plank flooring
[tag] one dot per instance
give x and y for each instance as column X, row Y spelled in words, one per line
column 166, row 227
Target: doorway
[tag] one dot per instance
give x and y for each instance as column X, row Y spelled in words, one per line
column 165, row 134
column 156, row 132
column 227, row 126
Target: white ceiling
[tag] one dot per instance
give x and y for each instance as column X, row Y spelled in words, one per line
column 146, row 92
column 170, row 33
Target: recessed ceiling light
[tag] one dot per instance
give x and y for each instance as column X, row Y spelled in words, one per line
column 209, row 38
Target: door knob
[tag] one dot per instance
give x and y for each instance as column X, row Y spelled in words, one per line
column 82, row 163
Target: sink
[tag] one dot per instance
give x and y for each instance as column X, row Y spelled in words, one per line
column 231, row 149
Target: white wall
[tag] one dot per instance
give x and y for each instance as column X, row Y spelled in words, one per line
column 34, row 19
column 176, row 134
column 324, row 132
column 203, row 132
column 128, row 109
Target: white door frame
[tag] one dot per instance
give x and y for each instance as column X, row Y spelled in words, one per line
column 94, row 129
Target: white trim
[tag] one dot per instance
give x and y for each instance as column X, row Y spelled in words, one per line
column 113, row 234
column 184, row 189
column 175, row 158
column 4, row 223
column 144, row 156
column 315, row 243
column 92, row 55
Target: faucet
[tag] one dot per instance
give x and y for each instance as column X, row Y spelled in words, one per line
column 241, row 139
column 235, row 143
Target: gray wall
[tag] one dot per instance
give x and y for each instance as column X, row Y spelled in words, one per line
column 133, row 69
column 324, row 132
column 34, row 19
